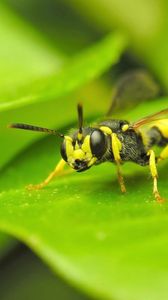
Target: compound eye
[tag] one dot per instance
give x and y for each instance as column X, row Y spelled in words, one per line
column 63, row 151
column 98, row 143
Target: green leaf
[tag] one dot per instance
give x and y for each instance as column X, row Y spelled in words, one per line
column 24, row 57
column 24, row 53
column 110, row 245
column 52, row 115
column 59, row 24
column 83, row 68
column 24, row 271
column 146, row 26
column 6, row 244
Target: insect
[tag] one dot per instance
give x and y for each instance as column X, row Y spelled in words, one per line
column 112, row 140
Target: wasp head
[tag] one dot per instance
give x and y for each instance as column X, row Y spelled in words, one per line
column 83, row 150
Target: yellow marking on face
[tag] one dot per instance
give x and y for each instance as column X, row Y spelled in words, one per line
column 106, row 129
column 88, row 156
column 125, row 127
column 68, row 138
column 78, row 154
column 82, row 152
column 68, row 145
column 92, row 161
column 116, row 147
column 77, row 145
column 80, row 136
column 86, row 144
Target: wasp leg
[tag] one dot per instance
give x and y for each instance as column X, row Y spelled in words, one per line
column 116, row 147
column 59, row 170
column 154, row 173
column 164, row 154
column 121, row 179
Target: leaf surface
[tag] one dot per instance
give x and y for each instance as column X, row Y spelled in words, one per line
column 86, row 66
column 24, row 53
column 110, row 245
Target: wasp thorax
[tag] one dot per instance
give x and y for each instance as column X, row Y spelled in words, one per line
column 81, row 153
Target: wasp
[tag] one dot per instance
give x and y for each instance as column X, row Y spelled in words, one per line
column 111, row 140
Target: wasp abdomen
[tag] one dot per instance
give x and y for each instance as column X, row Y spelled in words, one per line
column 156, row 137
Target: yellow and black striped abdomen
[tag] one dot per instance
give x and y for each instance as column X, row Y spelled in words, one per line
column 158, row 133
column 162, row 126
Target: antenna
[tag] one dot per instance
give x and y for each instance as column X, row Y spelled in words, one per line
column 80, row 117
column 35, row 128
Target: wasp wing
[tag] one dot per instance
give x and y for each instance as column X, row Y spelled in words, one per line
column 133, row 87
column 163, row 114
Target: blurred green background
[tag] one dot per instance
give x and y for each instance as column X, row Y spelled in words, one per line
column 101, row 244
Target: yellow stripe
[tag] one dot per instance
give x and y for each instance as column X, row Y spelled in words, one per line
column 69, row 147
column 86, row 144
column 106, row 129
column 116, row 147
column 80, row 136
column 162, row 125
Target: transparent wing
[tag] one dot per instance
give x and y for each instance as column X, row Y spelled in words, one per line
column 163, row 114
column 133, row 87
